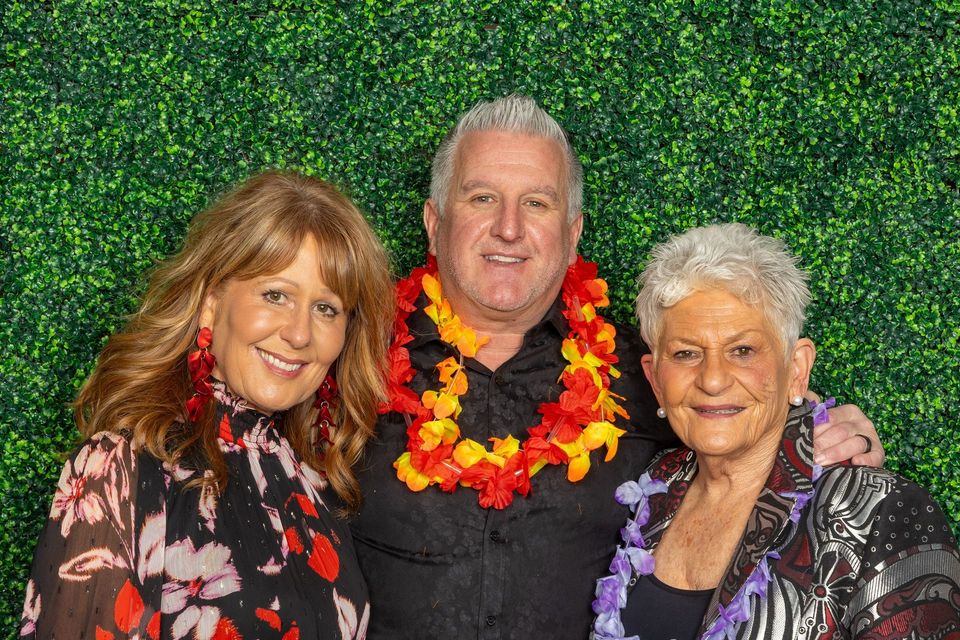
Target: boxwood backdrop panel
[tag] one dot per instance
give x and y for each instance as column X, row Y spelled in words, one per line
column 833, row 124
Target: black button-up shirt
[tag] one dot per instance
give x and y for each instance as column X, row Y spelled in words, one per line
column 439, row 565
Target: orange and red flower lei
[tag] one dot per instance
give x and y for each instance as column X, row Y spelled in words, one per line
column 580, row 421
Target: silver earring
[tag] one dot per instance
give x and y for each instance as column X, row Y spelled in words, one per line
column 796, row 401
column 661, row 412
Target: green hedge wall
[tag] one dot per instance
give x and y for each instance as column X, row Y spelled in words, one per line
column 832, row 124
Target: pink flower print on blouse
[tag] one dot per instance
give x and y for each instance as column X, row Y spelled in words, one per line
column 350, row 626
column 31, row 610
column 72, row 501
column 197, row 578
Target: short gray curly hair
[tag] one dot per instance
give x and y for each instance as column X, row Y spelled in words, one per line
column 757, row 269
column 514, row 113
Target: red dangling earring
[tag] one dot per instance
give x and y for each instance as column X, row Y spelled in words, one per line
column 200, row 365
column 326, row 397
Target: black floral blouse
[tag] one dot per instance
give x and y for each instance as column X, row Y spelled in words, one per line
column 127, row 553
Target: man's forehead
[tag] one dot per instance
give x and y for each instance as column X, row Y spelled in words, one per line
column 506, row 139
column 510, row 154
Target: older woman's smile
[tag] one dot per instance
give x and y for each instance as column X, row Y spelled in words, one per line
column 718, row 412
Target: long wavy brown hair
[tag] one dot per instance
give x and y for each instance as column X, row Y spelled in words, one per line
column 140, row 384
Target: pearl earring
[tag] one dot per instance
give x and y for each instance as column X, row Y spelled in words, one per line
column 661, row 412
column 796, row 401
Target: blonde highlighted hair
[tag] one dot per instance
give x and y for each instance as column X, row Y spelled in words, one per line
column 140, row 384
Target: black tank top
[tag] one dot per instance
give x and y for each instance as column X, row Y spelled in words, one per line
column 657, row 611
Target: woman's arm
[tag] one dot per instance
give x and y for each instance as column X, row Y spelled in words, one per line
column 98, row 566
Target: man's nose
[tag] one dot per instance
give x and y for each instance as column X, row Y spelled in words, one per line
column 509, row 222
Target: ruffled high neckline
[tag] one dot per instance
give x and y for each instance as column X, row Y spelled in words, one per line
column 240, row 425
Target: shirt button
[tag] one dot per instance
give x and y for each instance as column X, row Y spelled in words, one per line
column 491, row 620
column 499, row 379
column 495, row 536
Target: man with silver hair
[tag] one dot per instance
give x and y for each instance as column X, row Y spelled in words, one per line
column 488, row 348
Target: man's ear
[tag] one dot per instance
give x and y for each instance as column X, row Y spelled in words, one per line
column 431, row 218
column 646, row 361
column 802, row 357
column 576, row 228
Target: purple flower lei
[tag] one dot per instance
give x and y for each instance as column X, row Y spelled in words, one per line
column 611, row 591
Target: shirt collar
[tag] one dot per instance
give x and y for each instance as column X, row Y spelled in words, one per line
column 240, row 426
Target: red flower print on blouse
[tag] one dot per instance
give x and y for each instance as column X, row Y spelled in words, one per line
column 324, row 559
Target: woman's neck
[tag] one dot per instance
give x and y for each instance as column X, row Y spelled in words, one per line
column 695, row 551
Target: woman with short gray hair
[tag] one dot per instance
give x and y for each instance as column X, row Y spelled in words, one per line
column 739, row 534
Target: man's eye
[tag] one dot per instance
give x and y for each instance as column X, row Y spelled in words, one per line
column 482, row 199
column 743, row 351
column 684, row 354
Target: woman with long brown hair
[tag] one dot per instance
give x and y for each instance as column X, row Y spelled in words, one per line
column 222, row 425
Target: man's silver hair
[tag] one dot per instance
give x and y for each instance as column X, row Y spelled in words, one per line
column 757, row 269
column 515, row 114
